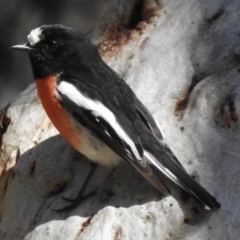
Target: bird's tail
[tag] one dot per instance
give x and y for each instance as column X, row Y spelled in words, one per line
column 172, row 169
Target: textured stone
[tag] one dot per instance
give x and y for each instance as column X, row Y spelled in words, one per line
column 180, row 57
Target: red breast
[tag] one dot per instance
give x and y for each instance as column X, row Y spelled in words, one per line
column 47, row 92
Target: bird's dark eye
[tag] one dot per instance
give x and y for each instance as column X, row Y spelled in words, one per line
column 52, row 45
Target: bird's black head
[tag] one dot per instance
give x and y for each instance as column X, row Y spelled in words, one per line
column 54, row 49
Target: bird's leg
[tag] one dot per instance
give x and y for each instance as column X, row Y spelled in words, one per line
column 75, row 202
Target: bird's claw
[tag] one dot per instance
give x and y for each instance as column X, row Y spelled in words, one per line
column 74, row 202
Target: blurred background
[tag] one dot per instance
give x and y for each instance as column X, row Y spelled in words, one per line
column 18, row 18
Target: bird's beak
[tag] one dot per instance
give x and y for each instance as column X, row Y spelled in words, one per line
column 22, row 47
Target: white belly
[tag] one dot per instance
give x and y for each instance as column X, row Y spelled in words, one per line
column 94, row 149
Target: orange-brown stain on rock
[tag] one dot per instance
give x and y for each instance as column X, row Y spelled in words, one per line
column 116, row 235
column 56, row 187
column 228, row 113
column 4, row 122
column 83, row 227
column 9, row 160
column 182, row 103
column 125, row 29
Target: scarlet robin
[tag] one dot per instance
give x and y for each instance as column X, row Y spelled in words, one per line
column 98, row 113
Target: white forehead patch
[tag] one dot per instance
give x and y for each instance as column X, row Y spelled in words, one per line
column 35, row 36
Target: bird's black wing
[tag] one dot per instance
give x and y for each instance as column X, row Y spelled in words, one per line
column 115, row 130
column 92, row 113
column 165, row 161
column 148, row 118
column 153, row 125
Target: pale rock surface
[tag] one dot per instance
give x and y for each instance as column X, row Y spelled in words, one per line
column 182, row 60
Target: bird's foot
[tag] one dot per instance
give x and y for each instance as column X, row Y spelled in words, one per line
column 74, row 202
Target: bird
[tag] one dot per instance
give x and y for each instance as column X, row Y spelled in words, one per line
column 98, row 113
